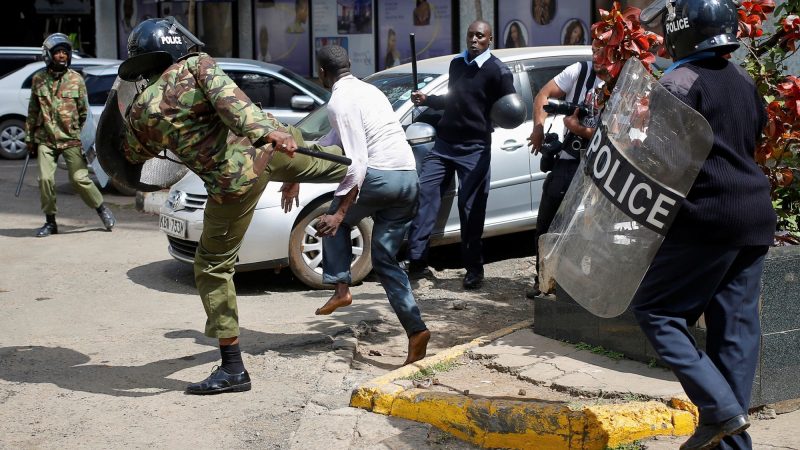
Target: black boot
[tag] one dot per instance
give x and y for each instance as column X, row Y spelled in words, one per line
column 707, row 436
column 49, row 227
column 106, row 216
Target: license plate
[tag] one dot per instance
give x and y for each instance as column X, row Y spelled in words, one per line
column 172, row 226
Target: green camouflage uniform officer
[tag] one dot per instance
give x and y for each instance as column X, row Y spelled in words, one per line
column 56, row 113
column 194, row 109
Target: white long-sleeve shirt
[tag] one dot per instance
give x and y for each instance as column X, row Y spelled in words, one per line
column 371, row 135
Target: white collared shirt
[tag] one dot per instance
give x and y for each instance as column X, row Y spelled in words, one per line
column 368, row 129
column 479, row 60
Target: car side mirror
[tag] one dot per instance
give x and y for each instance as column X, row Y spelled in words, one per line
column 420, row 133
column 302, row 102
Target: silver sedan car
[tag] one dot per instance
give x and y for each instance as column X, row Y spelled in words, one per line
column 276, row 239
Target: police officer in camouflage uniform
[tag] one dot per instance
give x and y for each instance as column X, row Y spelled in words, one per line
column 193, row 108
column 56, row 113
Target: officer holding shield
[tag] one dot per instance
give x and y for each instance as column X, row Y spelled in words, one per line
column 712, row 257
column 191, row 107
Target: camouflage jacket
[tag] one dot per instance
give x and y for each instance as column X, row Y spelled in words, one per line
column 57, row 109
column 190, row 110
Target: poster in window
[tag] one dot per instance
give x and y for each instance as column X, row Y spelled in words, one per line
column 429, row 20
column 282, row 34
column 129, row 14
column 543, row 22
column 349, row 23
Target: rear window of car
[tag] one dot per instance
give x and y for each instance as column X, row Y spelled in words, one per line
column 11, row 62
column 98, row 87
column 395, row 86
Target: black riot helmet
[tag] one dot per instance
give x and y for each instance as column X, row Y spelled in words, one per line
column 154, row 45
column 692, row 26
column 54, row 42
column 509, row 111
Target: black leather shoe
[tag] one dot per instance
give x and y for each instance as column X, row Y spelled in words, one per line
column 709, row 435
column 473, row 280
column 220, row 381
column 107, row 217
column 47, row 229
column 417, row 269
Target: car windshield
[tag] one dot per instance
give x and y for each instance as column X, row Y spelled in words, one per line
column 318, row 90
column 98, row 87
column 396, row 87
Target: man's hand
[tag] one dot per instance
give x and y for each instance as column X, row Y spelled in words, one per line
column 282, row 142
column 31, row 148
column 418, row 98
column 289, row 191
column 573, row 123
column 328, row 224
column 536, row 138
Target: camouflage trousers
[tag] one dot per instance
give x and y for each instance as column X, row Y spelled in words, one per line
column 78, row 177
column 224, row 226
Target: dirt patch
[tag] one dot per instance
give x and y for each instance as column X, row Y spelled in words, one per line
column 454, row 315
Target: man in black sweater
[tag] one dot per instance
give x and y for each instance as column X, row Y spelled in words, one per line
column 712, row 257
column 463, row 146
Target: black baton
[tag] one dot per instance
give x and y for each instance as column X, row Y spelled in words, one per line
column 322, row 155
column 412, row 38
column 413, row 61
column 22, row 175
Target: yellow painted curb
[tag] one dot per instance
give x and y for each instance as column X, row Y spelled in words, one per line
column 521, row 424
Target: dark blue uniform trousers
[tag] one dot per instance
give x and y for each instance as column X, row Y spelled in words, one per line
column 471, row 163
column 685, row 281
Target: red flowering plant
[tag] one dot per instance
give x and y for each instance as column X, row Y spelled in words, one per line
column 619, row 36
column 778, row 153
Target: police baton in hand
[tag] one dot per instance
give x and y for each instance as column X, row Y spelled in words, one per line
column 322, row 155
column 22, row 175
column 412, row 39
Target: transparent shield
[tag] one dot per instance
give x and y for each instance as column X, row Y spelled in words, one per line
column 156, row 173
column 641, row 163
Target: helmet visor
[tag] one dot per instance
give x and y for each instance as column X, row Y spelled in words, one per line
column 653, row 11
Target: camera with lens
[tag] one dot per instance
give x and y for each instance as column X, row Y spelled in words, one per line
column 566, row 108
column 551, row 145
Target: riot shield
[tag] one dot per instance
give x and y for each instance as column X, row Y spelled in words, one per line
column 640, row 164
column 155, row 173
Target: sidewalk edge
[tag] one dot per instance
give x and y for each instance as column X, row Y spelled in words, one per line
column 520, row 424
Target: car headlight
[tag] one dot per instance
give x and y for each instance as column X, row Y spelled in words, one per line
column 176, row 200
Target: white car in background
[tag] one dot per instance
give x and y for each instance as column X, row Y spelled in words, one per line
column 276, row 239
column 15, row 91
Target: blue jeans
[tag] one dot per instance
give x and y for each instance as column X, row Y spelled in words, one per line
column 390, row 198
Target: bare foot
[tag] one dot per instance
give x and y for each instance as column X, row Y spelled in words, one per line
column 417, row 346
column 336, row 301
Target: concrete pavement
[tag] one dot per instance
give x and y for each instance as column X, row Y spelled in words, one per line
column 605, row 400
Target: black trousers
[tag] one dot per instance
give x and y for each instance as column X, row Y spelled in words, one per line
column 723, row 283
column 553, row 192
column 471, row 162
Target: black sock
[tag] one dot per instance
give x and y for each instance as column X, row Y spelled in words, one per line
column 99, row 209
column 231, row 358
column 50, row 218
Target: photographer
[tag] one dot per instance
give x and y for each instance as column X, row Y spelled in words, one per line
column 577, row 84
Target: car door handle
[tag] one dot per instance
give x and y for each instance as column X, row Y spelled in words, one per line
column 510, row 145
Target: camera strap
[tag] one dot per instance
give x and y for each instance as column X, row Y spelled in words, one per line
column 583, row 85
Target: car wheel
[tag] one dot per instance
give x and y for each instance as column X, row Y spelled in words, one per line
column 305, row 249
column 12, row 139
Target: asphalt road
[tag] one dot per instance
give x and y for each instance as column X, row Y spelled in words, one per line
column 101, row 331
